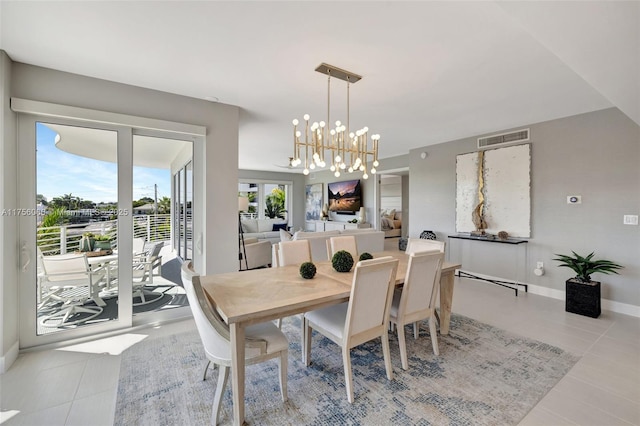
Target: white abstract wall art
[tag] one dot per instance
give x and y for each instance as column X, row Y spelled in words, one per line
column 507, row 186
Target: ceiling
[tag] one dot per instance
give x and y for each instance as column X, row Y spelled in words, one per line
column 102, row 145
column 432, row 71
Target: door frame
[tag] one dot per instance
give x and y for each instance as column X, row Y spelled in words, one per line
column 29, row 112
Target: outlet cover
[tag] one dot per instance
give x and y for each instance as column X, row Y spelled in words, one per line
column 630, row 219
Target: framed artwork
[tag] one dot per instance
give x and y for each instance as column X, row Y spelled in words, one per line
column 314, row 198
column 498, row 181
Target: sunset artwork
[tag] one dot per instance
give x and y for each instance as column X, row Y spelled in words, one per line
column 345, row 196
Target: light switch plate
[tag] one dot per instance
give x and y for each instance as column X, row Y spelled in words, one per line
column 630, row 219
column 574, row 199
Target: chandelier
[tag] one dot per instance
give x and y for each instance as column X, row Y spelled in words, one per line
column 346, row 150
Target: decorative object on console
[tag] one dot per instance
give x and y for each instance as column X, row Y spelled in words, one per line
column 325, row 212
column 342, row 261
column 583, row 294
column 307, row 270
column 339, row 142
column 362, row 215
column 428, row 235
column 503, row 235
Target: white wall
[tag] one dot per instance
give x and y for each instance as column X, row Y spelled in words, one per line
column 596, row 155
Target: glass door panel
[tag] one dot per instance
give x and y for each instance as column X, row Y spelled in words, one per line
column 157, row 286
column 76, row 229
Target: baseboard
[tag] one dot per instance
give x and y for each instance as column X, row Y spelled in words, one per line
column 609, row 305
column 7, row 360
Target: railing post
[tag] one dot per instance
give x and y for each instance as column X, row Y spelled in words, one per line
column 63, row 240
column 148, row 227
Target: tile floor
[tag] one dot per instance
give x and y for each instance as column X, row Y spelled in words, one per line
column 77, row 385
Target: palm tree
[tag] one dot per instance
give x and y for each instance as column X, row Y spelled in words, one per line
column 164, row 205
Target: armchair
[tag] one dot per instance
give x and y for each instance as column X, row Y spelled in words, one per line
column 258, row 253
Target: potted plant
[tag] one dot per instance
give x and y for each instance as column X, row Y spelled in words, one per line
column 102, row 242
column 87, row 242
column 582, row 293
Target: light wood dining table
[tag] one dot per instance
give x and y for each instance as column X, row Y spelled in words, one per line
column 260, row 295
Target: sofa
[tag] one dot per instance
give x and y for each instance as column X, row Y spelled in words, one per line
column 263, row 229
column 367, row 240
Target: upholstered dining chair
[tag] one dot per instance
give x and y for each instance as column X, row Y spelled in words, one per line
column 420, row 244
column 417, row 299
column 365, row 317
column 263, row 341
column 62, row 275
column 344, row 242
column 293, row 253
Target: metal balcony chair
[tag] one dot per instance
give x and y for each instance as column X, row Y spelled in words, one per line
column 64, row 278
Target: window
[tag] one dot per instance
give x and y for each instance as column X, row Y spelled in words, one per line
column 266, row 199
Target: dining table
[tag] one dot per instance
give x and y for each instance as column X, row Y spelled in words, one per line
column 255, row 296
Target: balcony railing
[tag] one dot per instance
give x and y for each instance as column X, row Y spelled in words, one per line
column 66, row 238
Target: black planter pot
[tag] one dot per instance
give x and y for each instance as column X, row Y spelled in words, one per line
column 583, row 298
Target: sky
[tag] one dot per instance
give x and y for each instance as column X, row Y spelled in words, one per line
column 60, row 173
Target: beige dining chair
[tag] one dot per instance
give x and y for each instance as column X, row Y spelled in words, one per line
column 63, row 277
column 293, row 253
column 364, row 318
column 420, row 244
column 263, row 341
column 417, row 299
column 344, row 242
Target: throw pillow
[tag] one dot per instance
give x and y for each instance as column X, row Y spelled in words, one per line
column 279, row 226
column 285, row 235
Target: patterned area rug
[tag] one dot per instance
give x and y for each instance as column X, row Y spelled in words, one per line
column 483, row 376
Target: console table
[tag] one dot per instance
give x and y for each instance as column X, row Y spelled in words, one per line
column 332, row 225
column 516, row 246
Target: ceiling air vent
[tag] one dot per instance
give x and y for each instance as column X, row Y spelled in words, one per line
column 504, row 139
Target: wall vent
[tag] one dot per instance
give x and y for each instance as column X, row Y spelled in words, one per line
column 504, row 139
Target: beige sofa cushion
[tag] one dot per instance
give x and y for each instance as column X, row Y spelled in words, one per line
column 249, row 226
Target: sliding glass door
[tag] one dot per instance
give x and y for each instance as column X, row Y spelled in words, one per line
column 96, row 226
column 70, row 229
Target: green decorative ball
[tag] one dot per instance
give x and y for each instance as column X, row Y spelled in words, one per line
column 366, row 256
column 342, row 261
column 307, row 270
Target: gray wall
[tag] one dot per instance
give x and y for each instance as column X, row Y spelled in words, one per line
column 595, row 155
column 219, row 202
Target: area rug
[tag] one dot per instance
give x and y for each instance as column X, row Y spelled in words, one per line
column 483, row 376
